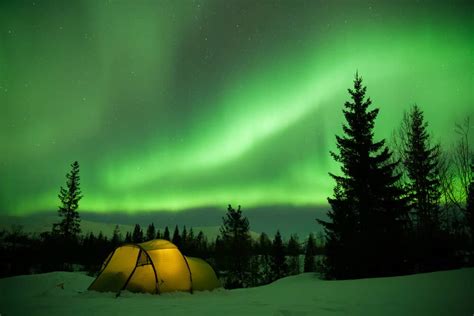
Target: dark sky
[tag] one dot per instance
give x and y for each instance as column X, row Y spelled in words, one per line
column 170, row 105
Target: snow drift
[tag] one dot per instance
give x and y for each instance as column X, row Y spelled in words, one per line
column 64, row 293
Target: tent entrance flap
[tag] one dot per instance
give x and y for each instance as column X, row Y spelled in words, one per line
column 116, row 272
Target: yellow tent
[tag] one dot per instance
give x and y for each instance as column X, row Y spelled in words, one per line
column 155, row 266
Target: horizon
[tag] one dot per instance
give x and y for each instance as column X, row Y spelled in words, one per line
column 286, row 219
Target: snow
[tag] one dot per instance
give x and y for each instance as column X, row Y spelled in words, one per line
column 438, row 293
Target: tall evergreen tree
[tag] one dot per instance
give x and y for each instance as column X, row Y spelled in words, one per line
column 69, row 226
column 128, row 237
column 237, row 246
column 158, row 234
column 264, row 244
column 278, row 264
column 368, row 211
column 137, row 235
column 166, row 234
column 421, row 162
column 264, row 251
column 293, row 250
column 191, row 234
column 191, row 242
column 100, row 237
column 184, row 240
column 220, row 256
column 310, row 252
column 116, row 236
column 176, row 237
column 201, row 245
column 151, row 232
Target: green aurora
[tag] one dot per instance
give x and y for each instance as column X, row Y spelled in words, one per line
column 170, row 105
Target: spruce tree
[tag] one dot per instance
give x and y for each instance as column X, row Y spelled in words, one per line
column 69, row 226
column 190, row 242
column 116, row 237
column 278, row 265
column 264, row 245
column 100, row 237
column 293, row 250
column 137, row 235
column 158, row 234
column 219, row 253
column 201, row 244
column 128, row 237
column 368, row 211
column 310, row 252
column 264, row 250
column 88, row 248
column 176, row 237
column 236, row 246
column 151, row 232
column 184, row 240
column 421, row 162
column 166, row 234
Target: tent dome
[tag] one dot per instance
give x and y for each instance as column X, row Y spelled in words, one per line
column 155, row 266
column 156, row 244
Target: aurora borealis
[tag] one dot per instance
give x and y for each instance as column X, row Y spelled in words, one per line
column 170, row 105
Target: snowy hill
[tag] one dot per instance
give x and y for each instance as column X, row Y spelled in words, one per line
column 439, row 293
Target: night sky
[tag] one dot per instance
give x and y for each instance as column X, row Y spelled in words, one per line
column 170, row 105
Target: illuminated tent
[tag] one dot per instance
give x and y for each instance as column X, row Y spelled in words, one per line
column 155, row 266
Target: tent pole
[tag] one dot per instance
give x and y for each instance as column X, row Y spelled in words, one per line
column 131, row 274
column 190, row 274
column 154, row 270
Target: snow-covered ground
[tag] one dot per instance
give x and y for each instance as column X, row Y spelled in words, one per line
column 439, row 293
